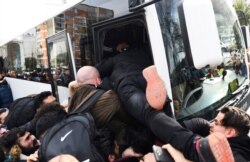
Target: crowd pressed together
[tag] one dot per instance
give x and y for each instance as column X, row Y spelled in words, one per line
column 132, row 115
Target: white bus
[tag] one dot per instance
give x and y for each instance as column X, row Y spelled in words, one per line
column 191, row 43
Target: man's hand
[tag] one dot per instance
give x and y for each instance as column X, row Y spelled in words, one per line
column 33, row 157
column 72, row 87
column 150, row 157
column 176, row 154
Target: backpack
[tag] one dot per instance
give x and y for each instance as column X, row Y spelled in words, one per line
column 74, row 135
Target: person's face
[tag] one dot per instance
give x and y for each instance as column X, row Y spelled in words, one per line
column 3, row 116
column 216, row 125
column 3, row 130
column 67, row 72
column 28, row 141
column 121, row 46
column 49, row 99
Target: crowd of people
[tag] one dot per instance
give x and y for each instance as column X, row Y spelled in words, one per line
column 61, row 75
column 133, row 114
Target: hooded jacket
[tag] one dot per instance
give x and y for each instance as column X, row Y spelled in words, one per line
column 23, row 109
column 240, row 146
column 130, row 62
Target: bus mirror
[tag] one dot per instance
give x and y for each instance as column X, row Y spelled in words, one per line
column 202, row 34
column 245, row 32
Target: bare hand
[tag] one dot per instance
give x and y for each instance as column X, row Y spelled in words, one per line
column 176, row 154
column 72, row 87
column 150, row 157
column 33, row 157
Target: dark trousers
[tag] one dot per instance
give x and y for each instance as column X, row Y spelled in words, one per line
column 167, row 129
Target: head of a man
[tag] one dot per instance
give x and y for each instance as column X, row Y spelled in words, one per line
column 47, row 116
column 88, row 75
column 231, row 121
column 121, row 47
column 43, row 98
column 26, row 141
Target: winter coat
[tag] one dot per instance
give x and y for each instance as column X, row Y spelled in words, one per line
column 240, row 146
column 124, row 64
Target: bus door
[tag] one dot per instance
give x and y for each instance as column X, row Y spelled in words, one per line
column 130, row 28
column 61, row 65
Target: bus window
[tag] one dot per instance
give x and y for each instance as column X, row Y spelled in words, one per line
column 26, row 57
column 193, row 90
column 58, row 55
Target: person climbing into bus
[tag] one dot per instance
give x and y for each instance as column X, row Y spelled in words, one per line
column 124, row 71
column 129, row 74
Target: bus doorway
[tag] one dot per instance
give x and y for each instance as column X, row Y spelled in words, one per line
column 131, row 29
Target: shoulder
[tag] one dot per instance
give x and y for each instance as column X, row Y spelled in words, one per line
column 110, row 98
column 110, row 94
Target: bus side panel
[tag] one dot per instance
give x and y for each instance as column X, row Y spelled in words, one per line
column 21, row 88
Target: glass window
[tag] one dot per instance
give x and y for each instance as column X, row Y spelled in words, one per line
column 59, row 59
column 198, row 92
column 26, row 56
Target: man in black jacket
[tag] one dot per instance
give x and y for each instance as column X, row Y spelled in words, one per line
column 124, row 70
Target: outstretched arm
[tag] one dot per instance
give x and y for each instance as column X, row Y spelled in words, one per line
column 176, row 154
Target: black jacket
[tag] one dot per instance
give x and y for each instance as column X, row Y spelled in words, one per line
column 240, row 146
column 130, row 62
column 21, row 111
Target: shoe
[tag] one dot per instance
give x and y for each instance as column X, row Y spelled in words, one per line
column 156, row 93
column 214, row 148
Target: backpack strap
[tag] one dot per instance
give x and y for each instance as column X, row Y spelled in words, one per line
column 90, row 101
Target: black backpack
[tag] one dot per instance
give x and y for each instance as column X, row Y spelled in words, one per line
column 74, row 135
